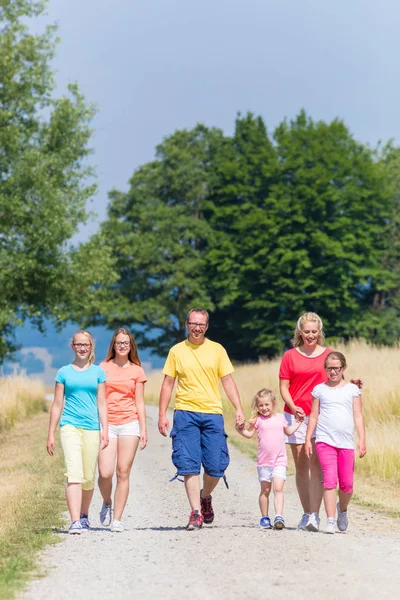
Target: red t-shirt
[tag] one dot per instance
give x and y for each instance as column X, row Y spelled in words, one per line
column 120, row 391
column 303, row 373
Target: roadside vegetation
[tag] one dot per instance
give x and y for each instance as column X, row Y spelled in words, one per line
column 378, row 473
column 31, row 491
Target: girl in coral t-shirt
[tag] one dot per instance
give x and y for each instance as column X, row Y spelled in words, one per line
column 126, row 423
column 272, row 457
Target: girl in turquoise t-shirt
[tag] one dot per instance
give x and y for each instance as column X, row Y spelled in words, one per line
column 79, row 399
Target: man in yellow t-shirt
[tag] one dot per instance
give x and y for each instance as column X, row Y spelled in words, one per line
column 198, row 434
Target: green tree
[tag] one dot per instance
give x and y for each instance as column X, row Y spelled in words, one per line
column 45, row 180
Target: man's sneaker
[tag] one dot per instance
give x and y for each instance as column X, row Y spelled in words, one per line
column 75, row 527
column 342, row 520
column 304, row 522
column 279, row 522
column 207, row 509
column 265, row 522
column 195, row 521
column 117, row 526
column 85, row 523
column 106, row 514
column 313, row 522
column 330, row 525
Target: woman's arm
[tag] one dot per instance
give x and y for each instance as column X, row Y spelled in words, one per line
column 359, row 423
column 312, row 423
column 102, row 406
column 284, row 385
column 55, row 414
column 141, row 411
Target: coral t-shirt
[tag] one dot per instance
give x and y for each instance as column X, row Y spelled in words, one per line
column 303, row 373
column 271, row 443
column 120, row 388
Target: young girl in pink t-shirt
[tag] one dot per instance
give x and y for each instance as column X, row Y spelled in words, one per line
column 272, row 457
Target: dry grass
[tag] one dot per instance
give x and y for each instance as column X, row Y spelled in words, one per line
column 20, row 397
column 379, row 368
column 31, row 500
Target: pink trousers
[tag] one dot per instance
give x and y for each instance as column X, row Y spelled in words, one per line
column 337, row 464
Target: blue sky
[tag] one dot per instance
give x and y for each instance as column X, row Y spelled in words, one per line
column 153, row 66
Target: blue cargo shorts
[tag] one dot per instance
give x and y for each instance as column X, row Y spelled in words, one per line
column 199, row 439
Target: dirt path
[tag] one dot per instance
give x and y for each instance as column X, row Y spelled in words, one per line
column 155, row 557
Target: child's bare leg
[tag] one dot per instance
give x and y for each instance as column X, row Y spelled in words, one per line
column 330, row 502
column 278, row 495
column 264, row 497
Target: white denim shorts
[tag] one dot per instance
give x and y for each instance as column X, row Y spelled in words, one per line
column 267, row 473
column 299, row 436
column 116, row 431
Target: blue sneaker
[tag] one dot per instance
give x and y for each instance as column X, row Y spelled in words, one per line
column 279, row 522
column 265, row 522
column 75, row 527
column 85, row 523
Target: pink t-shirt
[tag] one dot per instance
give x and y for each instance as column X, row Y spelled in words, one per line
column 271, row 443
column 303, row 373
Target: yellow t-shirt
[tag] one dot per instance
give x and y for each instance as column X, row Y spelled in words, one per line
column 198, row 368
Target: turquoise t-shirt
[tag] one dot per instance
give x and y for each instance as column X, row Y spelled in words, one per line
column 80, row 391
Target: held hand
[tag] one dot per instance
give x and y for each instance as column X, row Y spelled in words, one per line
column 299, row 414
column 143, row 440
column 358, row 382
column 362, row 449
column 240, row 420
column 104, row 441
column 163, row 425
column 51, row 445
column 308, row 449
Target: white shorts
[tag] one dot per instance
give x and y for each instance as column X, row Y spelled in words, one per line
column 299, row 436
column 116, row 431
column 267, row 473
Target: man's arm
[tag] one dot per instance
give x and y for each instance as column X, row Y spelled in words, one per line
column 229, row 385
column 165, row 399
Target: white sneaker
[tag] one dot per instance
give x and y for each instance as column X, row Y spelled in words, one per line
column 313, row 522
column 303, row 523
column 330, row 525
column 117, row 526
column 106, row 514
column 342, row 520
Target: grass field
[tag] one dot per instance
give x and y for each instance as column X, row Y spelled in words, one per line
column 31, row 490
column 378, row 473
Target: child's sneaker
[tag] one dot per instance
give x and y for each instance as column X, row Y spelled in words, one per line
column 207, row 509
column 85, row 522
column 75, row 527
column 265, row 522
column 117, row 526
column 279, row 522
column 342, row 520
column 330, row 525
column 106, row 513
column 313, row 522
column 303, row 522
column 195, row 521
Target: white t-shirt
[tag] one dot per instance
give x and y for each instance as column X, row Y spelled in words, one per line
column 336, row 421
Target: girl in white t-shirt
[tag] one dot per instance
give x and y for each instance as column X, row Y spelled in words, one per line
column 272, row 457
column 336, row 408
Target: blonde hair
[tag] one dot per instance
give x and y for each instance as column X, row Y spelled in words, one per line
column 297, row 340
column 133, row 355
column 202, row 311
column 91, row 340
column 264, row 393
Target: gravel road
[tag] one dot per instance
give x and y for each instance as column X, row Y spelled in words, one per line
column 156, row 558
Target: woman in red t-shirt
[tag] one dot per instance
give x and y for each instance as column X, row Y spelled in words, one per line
column 126, row 423
column 301, row 369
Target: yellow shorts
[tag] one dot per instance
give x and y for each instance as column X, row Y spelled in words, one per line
column 81, row 450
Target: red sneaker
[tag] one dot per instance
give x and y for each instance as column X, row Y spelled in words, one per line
column 195, row 521
column 207, row 509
